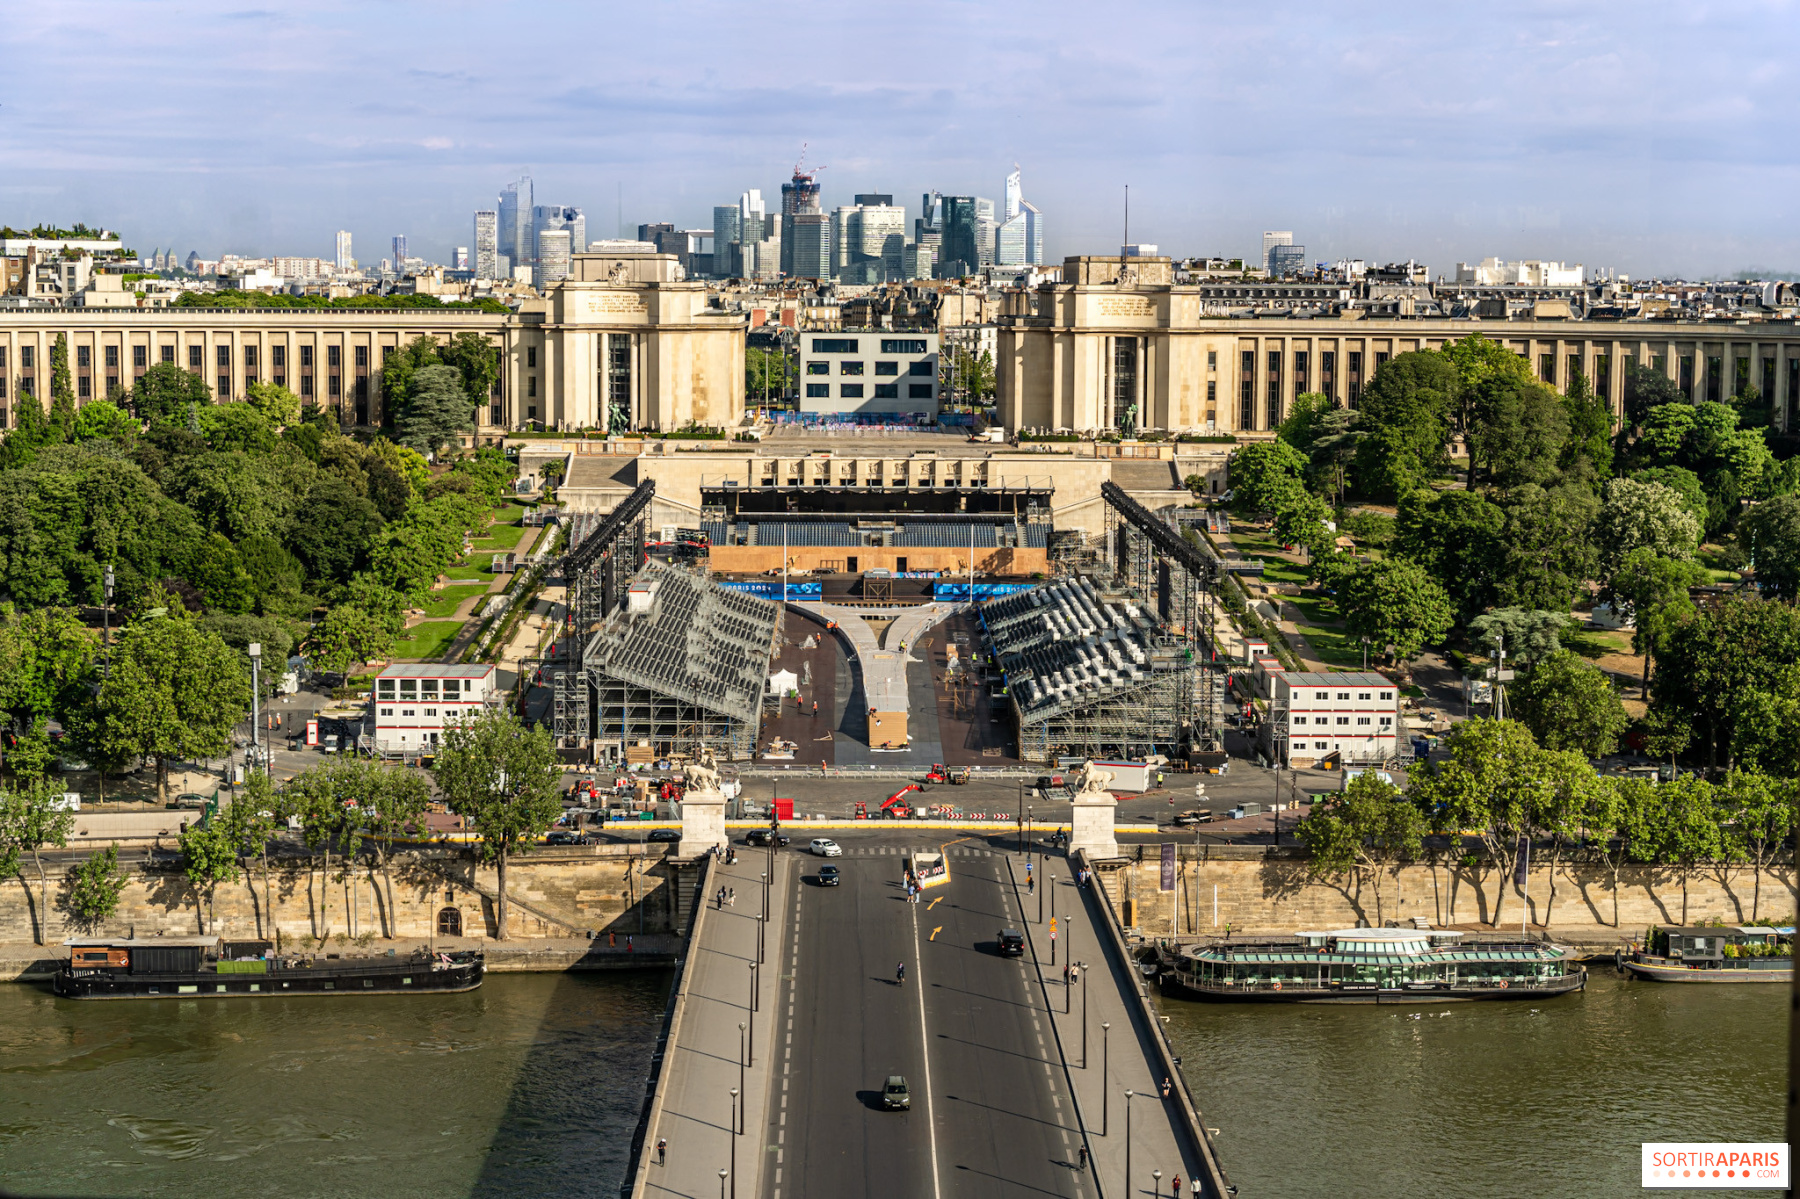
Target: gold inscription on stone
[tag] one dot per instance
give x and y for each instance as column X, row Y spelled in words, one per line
column 600, row 305
column 1124, row 306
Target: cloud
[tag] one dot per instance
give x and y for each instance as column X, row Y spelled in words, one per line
column 1371, row 130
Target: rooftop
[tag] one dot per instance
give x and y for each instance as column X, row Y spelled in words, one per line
column 437, row 670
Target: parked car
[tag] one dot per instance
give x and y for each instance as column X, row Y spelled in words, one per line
column 561, row 837
column 1012, row 943
column 763, row 836
column 664, row 834
column 825, row 847
column 189, row 799
column 895, row 1096
column 828, row 876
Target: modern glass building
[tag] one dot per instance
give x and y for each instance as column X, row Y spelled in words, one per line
column 487, row 244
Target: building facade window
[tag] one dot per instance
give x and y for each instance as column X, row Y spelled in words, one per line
column 139, row 354
column 850, row 391
column 112, row 358
column 1547, row 368
column 1274, row 397
column 224, row 355
column 887, row 368
column 887, row 391
column 1715, row 373
column 848, row 367
column 818, row 391
column 82, row 358
column 618, row 379
column 1685, row 381
column 1247, row 390
column 530, row 357
column 83, row 386
column 1125, row 372
column 1302, row 371
column 818, row 368
column 918, row 391
column 224, row 387
column 922, row 367
column 333, row 357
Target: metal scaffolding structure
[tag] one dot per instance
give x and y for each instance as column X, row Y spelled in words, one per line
column 1180, row 581
column 603, row 554
column 679, row 668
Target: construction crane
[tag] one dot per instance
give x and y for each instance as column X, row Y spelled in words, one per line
column 800, row 171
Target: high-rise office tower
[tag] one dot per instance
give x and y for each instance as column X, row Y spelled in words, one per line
column 1273, row 238
column 1034, row 233
column 557, row 216
column 1286, row 259
column 1019, row 241
column 986, row 226
column 800, row 197
column 515, row 221
column 961, row 254
column 553, row 249
column 400, row 252
column 343, row 250
column 487, row 244
column 461, row 258
column 726, row 259
column 1015, row 195
column 653, row 233
column 845, row 228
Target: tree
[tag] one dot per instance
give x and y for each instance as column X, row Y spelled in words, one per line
column 175, row 690
column 1646, row 389
column 255, row 819
column 1527, row 636
column 209, row 857
column 332, row 530
column 395, row 807
column 1588, row 453
column 1546, row 548
column 1568, row 795
column 1684, row 483
column 1654, row 590
column 1570, row 704
column 1616, row 813
column 503, row 778
column 1265, row 475
column 767, row 374
column 1396, row 605
column 1723, row 671
column 1649, row 515
column 1301, row 521
column 1368, row 830
column 95, row 887
column 62, row 391
column 1456, row 537
column 1407, row 408
column 1519, row 429
column 347, row 636
column 1682, row 828
column 31, row 818
column 165, row 392
column 1303, row 424
column 436, row 410
column 46, row 663
column 328, row 801
column 104, row 419
column 398, row 369
column 477, row 360
column 1771, row 532
column 1489, row 782
column 1764, row 811
column 279, row 406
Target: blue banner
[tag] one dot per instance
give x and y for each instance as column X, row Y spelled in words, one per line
column 772, row 591
column 982, row 591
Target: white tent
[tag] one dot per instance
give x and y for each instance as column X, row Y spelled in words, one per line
column 783, row 681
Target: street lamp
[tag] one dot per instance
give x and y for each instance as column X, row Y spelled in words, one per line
column 740, row 1125
column 1127, row 1142
column 755, row 989
column 255, row 699
column 1156, row 1187
column 734, row 1120
column 721, row 1184
column 1021, row 819
column 1105, row 1073
column 763, row 922
column 1084, row 1021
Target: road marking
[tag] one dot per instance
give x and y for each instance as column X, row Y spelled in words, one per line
column 934, row 933
column 925, row 1047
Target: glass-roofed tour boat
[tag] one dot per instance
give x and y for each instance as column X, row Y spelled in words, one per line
column 1370, row 965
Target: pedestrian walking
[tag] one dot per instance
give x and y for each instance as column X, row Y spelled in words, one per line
column 630, row 944
column 662, row 1151
column 732, row 897
column 612, row 940
column 1165, row 1086
column 1030, row 885
column 1083, row 1155
column 1175, row 1187
column 1065, row 974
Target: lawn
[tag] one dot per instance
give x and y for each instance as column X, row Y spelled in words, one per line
column 444, row 602
column 428, row 641
column 1325, row 637
column 499, row 538
column 1596, row 643
column 1276, row 569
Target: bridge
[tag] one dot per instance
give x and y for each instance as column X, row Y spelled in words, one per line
column 781, row 1032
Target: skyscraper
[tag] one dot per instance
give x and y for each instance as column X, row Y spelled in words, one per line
column 461, row 258
column 343, row 250
column 985, row 228
column 726, row 259
column 961, row 253
column 1014, row 194
column 399, row 252
column 800, row 197
column 1273, row 238
column 487, row 244
column 515, row 221
column 1019, row 240
column 557, row 216
column 553, row 250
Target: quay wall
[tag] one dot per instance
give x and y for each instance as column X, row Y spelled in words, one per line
column 1261, row 888
column 552, row 893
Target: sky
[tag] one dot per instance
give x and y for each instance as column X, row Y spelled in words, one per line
column 1655, row 139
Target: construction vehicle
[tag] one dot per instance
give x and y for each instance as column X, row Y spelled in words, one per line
column 941, row 773
column 894, row 808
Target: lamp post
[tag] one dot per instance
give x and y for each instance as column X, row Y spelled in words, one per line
column 1156, row 1186
column 755, row 989
column 734, row 1120
column 1105, row 1074
column 1021, row 819
column 721, row 1184
column 255, row 699
column 1084, row 1021
column 1128, row 1142
column 762, row 921
column 741, row 1031
column 1069, row 956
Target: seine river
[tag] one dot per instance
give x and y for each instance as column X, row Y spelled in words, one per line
column 1483, row 1099
column 530, row 1087
column 527, row 1087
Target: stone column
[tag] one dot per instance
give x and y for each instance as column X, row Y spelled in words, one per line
column 1091, row 829
column 702, row 822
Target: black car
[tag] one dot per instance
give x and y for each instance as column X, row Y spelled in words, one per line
column 561, row 837
column 828, row 876
column 1012, row 943
column 763, row 836
column 664, row 834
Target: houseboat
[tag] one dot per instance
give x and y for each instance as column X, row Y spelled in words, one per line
column 1750, row 953
column 1370, row 965
column 196, row 967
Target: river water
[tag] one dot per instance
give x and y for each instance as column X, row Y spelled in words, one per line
column 1482, row 1099
column 529, row 1086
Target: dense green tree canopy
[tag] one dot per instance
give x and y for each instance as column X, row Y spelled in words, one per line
column 1397, row 606
column 1569, row 704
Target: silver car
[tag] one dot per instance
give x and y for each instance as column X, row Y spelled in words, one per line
column 825, row 847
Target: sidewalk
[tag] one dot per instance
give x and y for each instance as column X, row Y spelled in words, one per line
column 702, row 1065
column 1122, row 1051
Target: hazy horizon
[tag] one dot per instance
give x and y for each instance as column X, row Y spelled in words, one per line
column 1645, row 138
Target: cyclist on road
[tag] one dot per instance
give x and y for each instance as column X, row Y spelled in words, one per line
column 900, row 974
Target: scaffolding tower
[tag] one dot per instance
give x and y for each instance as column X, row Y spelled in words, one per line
column 603, row 554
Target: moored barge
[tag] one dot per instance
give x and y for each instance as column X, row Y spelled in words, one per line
column 1749, row 953
column 206, row 967
column 1371, row 965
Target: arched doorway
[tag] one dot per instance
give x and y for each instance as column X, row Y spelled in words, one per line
column 450, row 922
